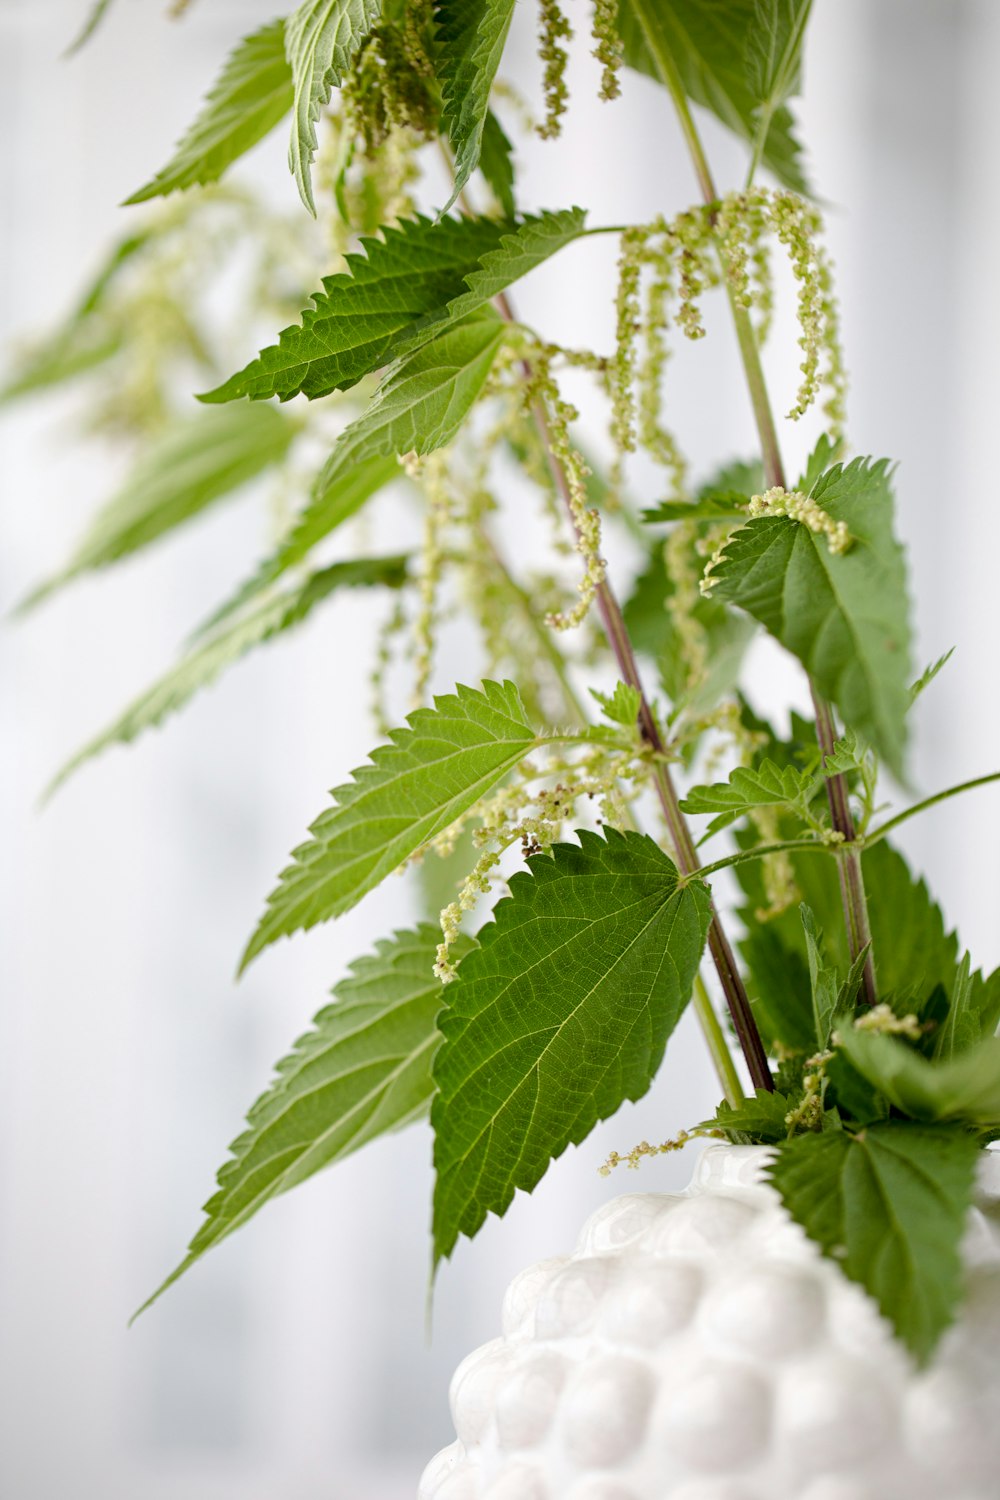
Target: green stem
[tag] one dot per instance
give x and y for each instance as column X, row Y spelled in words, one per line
column 852, row 880
column 919, row 807
column 717, row 1044
column 744, row 856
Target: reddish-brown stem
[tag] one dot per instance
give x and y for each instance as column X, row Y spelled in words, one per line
column 852, row 884
column 680, row 836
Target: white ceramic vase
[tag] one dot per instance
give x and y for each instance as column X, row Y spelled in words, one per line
column 696, row 1346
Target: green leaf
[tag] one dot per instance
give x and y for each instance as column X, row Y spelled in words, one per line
column 717, row 506
column 966, row 1088
column 913, row 952
column 213, row 650
column 823, row 457
column 496, row 162
column 622, row 706
column 521, row 249
column 928, row 675
column 822, row 978
column 654, row 631
column 362, row 1070
column 251, row 96
column 95, row 15
column 356, row 320
column 889, row 1206
column 330, row 506
column 765, row 785
column 774, row 57
column 707, row 45
column 472, row 35
column 423, row 400
column 561, row 1014
column 413, row 788
column 845, row 616
column 847, row 756
column 85, row 339
column 192, row 464
column 756, row 1121
column 321, row 37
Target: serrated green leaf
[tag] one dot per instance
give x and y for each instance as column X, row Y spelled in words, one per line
column 757, row 1121
column 622, row 706
column 560, row 1015
column 321, row 38
column 356, row 320
column 496, row 162
column 413, row 284
column 888, row 1206
column 472, row 35
column 362, row 1070
column 965, row 1088
column 764, row 785
column 913, row 952
column 716, row 506
column 822, row 978
column 423, row 400
column 928, row 675
column 412, row 789
column 707, row 46
column 522, row 248
column 847, row 755
column 214, row 650
column 252, row 95
column 845, row 616
column 186, row 469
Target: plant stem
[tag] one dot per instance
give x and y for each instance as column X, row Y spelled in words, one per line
column 717, row 1045
column 919, row 807
column 684, row 848
column 680, row 837
column 781, row 846
column 852, row 885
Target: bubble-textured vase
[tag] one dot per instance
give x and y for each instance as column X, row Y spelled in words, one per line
column 696, row 1346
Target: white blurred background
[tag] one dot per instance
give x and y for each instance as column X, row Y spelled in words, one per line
column 293, row 1362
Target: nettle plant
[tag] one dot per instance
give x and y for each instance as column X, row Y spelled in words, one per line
column 867, row 1036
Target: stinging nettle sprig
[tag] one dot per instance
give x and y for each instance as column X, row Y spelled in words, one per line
column 867, row 1039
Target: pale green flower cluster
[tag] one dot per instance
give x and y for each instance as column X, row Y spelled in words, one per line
column 608, row 48
column 554, row 31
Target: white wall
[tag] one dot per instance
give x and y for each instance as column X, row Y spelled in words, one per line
column 293, row 1362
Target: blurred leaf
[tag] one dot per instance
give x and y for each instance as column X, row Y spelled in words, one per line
column 707, row 43
column 215, row 650
column 191, row 465
column 496, row 162
column 251, row 96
